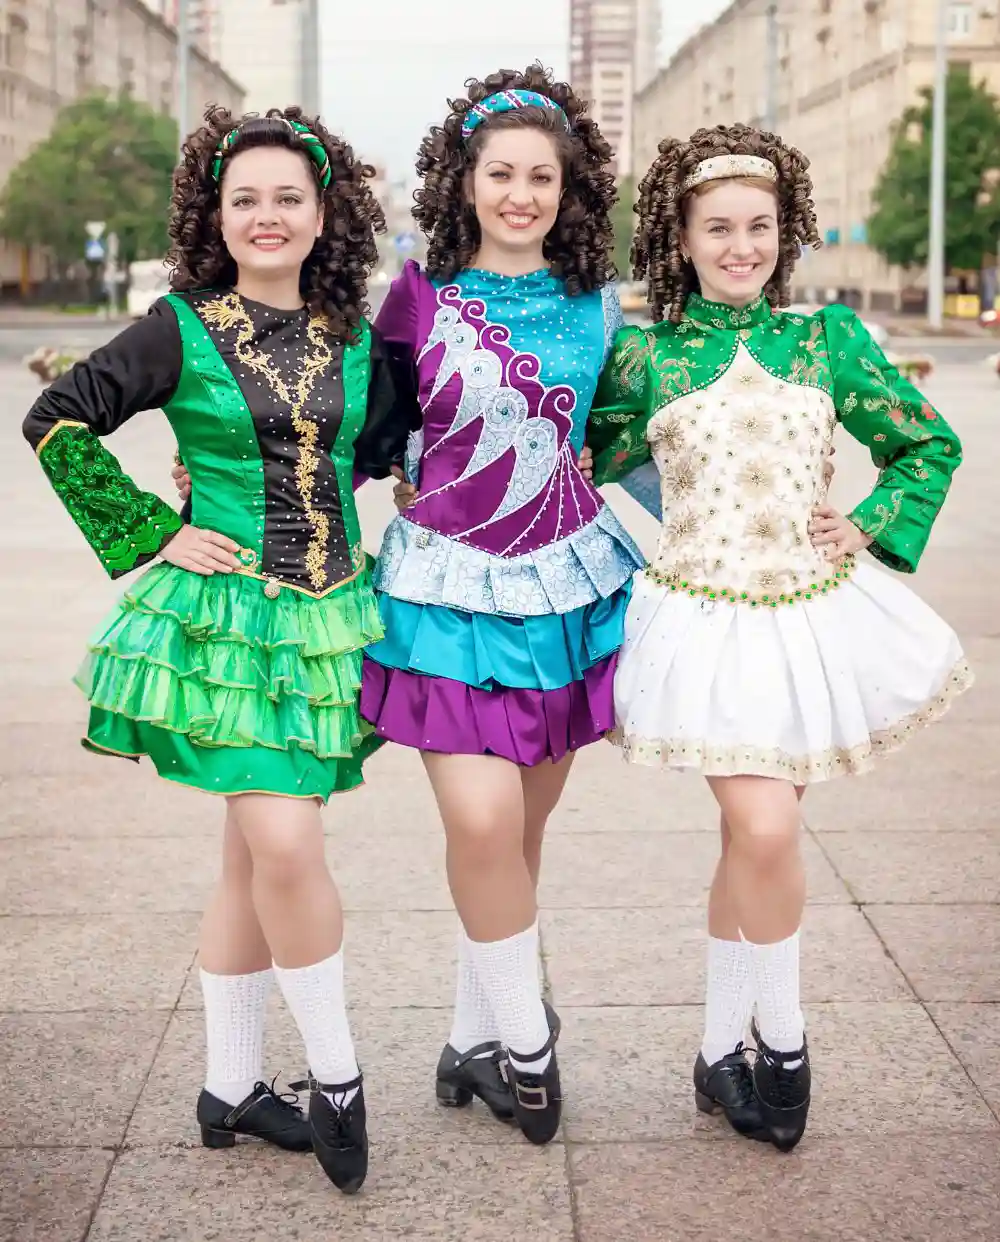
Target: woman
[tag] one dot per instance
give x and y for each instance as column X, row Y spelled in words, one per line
column 757, row 651
column 234, row 662
column 503, row 587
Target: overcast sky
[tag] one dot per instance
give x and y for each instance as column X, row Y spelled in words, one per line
column 390, row 65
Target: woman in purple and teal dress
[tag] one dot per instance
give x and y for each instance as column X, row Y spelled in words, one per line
column 503, row 586
column 234, row 661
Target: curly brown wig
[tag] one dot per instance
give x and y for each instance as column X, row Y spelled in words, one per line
column 579, row 247
column 656, row 252
column 334, row 278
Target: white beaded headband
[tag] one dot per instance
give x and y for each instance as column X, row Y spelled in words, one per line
column 724, row 166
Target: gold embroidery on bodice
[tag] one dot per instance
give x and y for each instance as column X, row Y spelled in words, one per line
column 741, row 469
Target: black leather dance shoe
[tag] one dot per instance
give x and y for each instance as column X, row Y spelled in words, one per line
column 727, row 1087
column 782, row 1093
column 462, row 1075
column 339, row 1134
column 537, row 1098
column 264, row 1115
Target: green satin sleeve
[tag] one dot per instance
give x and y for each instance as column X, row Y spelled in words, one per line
column 138, row 370
column 622, row 407
column 914, row 448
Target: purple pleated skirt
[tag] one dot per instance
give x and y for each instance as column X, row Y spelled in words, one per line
column 527, row 727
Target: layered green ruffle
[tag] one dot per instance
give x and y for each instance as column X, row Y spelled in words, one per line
column 232, row 692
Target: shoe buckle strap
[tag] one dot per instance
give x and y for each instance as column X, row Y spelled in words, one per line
column 480, row 1051
column 240, row 1110
column 535, row 1099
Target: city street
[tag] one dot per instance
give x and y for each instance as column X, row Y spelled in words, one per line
column 104, row 870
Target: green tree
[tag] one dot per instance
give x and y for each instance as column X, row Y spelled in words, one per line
column 623, row 221
column 105, row 159
column 898, row 227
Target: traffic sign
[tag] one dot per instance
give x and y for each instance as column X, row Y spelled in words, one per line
column 95, row 228
column 94, row 250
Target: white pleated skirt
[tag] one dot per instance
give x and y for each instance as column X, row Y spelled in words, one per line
column 801, row 692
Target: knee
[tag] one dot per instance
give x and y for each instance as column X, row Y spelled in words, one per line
column 766, row 844
column 285, row 858
column 484, row 840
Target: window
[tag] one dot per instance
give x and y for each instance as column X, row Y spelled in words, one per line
column 960, row 19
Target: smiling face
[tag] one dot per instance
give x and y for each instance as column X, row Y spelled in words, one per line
column 515, row 189
column 731, row 235
column 271, row 212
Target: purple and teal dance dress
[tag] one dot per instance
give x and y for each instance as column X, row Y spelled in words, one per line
column 503, row 589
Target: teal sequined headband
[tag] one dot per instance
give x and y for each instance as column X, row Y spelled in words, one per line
column 507, row 101
column 316, row 150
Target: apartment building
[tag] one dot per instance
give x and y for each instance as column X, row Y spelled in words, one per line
column 202, row 17
column 54, row 51
column 273, row 48
column 843, row 71
column 613, row 54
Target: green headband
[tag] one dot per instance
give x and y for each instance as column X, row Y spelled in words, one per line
column 316, row 150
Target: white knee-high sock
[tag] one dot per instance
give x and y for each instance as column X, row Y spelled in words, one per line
column 728, row 998
column 775, row 972
column 508, row 970
column 234, row 1032
column 315, row 996
column 473, row 1021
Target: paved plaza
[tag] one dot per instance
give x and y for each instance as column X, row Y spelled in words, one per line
column 104, row 870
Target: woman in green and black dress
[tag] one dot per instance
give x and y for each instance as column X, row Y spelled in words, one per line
column 234, row 661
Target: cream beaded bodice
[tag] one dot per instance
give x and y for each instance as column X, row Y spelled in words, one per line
column 741, row 469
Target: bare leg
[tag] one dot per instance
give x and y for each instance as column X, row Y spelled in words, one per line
column 764, row 879
column 482, row 807
column 299, row 910
column 481, row 801
column 766, row 886
column 294, row 895
column 232, row 942
column 723, row 923
column 543, row 786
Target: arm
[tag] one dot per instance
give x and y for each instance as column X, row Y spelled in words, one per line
column 393, row 413
column 914, row 448
column 622, row 408
column 138, row 370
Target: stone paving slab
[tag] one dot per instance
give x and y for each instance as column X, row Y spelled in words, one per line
column 948, row 953
column 475, row 1193
column 49, row 1194
column 105, row 962
column 958, row 868
column 973, row 1031
column 79, row 1075
column 916, row 1187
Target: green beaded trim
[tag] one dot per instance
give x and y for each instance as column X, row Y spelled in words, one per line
column 729, row 596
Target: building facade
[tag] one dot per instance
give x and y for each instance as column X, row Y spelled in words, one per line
column 54, row 51
column 203, row 21
column 832, row 77
column 273, row 48
column 613, row 54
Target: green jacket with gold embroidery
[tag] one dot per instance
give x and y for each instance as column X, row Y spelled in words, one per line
column 915, row 450
column 272, row 416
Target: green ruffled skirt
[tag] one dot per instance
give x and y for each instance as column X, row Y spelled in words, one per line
column 231, row 692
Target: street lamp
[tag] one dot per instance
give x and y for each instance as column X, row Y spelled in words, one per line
column 935, row 242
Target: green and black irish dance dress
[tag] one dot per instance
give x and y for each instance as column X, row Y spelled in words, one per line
column 242, row 682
